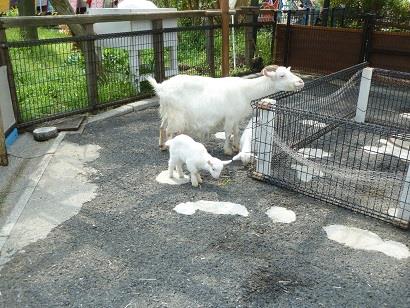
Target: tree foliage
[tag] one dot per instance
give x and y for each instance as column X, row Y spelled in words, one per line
column 399, row 8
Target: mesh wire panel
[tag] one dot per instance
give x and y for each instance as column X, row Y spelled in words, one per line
column 389, row 99
column 308, row 142
column 49, row 78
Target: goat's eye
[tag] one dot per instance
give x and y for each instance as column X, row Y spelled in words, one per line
column 281, row 76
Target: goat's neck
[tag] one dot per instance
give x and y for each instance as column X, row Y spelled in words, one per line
column 258, row 87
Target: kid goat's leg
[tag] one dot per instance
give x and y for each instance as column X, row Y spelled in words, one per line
column 179, row 170
column 198, row 177
column 171, row 167
column 227, row 145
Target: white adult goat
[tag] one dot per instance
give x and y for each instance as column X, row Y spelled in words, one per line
column 195, row 105
column 184, row 150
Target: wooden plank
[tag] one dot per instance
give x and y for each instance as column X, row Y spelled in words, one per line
column 9, row 22
column 225, row 36
column 3, row 151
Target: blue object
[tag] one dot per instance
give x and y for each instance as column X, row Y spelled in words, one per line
column 11, row 137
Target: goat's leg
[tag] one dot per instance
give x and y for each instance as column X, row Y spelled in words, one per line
column 163, row 135
column 236, row 138
column 179, row 170
column 194, row 179
column 227, row 145
column 193, row 171
column 171, row 167
column 198, row 177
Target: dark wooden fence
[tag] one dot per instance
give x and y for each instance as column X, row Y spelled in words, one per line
column 316, row 49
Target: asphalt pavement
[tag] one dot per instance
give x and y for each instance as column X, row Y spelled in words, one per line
column 127, row 247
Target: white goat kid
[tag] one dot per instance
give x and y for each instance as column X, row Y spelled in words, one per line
column 195, row 105
column 184, row 150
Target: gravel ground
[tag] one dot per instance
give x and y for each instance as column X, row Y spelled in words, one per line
column 128, row 248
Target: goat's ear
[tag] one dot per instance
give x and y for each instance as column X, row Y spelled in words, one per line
column 210, row 164
column 288, row 68
column 226, row 162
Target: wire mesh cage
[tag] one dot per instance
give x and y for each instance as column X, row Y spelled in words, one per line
column 341, row 140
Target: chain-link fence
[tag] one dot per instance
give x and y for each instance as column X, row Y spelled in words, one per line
column 344, row 139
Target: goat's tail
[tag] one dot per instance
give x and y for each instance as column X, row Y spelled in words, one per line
column 245, row 157
column 154, row 84
column 169, row 142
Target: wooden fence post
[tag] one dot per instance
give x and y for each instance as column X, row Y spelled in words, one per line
column 287, row 40
column 210, row 46
column 368, row 25
column 3, row 151
column 273, row 38
column 5, row 60
column 325, row 12
column 249, row 39
column 158, row 45
column 91, row 68
column 225, row 36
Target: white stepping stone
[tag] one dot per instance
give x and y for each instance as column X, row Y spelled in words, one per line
column 313, row 153
column 313, row 123
column 366, row 240
column 214, row 207
column 164, row 178
column 388, row 148
column 220, row 135
column 281, row 214
column 305, row 173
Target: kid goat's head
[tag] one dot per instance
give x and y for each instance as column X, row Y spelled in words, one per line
column 283, row 78
column 215, row 166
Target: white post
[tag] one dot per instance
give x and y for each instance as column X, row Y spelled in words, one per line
column 363, row 99
column 233, row 42
column 264, row 131
column 403, row 211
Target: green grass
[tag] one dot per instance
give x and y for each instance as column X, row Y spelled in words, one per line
column 51, row 78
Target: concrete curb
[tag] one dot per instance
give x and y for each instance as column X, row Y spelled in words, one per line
column 125, row 109
column 36, row 175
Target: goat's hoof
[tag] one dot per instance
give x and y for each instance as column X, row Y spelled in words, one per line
column 163, row 147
